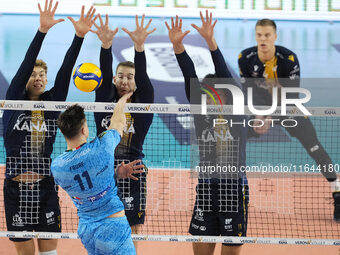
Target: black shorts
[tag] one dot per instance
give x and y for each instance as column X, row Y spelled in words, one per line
column 133, row 194
column 32, row 207
column 221, row 209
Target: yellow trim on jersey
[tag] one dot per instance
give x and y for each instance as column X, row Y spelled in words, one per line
column 271, row 69
column 37, row 136
column 291, row 58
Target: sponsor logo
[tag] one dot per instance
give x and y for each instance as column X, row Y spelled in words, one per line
column 39, row 106
column 61, row 106
column 294, row 76
column 191, row 239
column 49, row 218
column 28, row 236
column 302, row 242
column 183, row 109
column 89, row 107
column 316, row 242
column 139, row 108
column 12, row 105
column 151, row 238
column 65, row 236
column 330, row 111
column 49, row 215
column 173, row 239
column 291, row 58
column 140, row 238
column 228, row 221
column 128, row 201
column 283, row 242
column 199, row 215
column 79, row 165
column 228, row 227
column 336, row 243
column 24, row 123
column 10, row 235
column 109, row 107
column 194, row 226
column 17, row 221
column 248, row 241
column 203, row 228
column 227, row 241
column 251, row 54
column 295, row 70
column 263, row 241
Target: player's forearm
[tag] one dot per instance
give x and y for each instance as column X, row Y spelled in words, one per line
column 118, row 125
column 24, row 72
column 145, row 89
column 212, row 44
column 118, row 119
column 178, row 48
column 221, row 68
column 104, row 92
column 63, row 77
column 139, row 47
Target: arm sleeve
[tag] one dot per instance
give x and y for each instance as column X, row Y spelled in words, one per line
column 18, row 83
column 62, row 81
column 188, row 70
column 107, row 91
column 145, row 91
column 221, row 68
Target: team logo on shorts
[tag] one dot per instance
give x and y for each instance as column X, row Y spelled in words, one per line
column 199, row 214
column 50, row 218
column 17, row 221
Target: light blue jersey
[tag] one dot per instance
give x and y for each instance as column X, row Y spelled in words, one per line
column 87, row 175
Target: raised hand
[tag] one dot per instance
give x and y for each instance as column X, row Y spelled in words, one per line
column 84, row 24
column 207, row 29
column 127, row 170
column 176, row 34
column 104, row 33
column 140, row 34
column 47, row 16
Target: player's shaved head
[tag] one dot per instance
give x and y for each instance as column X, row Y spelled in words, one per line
column 266, row 22
column 71, row 121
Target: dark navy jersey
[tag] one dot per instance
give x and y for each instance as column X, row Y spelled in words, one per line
column 282, row 70
column 29, row 135
column 222, row 145
column 138, row 124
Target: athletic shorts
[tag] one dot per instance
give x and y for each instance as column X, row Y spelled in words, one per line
column 221, row 209
column 110, row 236
column 32, row 207
column 133, row 195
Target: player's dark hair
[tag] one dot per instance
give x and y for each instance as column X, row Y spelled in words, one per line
column 71, row 121
column 212, row 79
column 266, row 22
column 126, row 64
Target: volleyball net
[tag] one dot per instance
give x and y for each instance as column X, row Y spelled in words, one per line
column 290, row 202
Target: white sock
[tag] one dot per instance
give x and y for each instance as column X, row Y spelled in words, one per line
column 335, row 185
column 54, row 252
